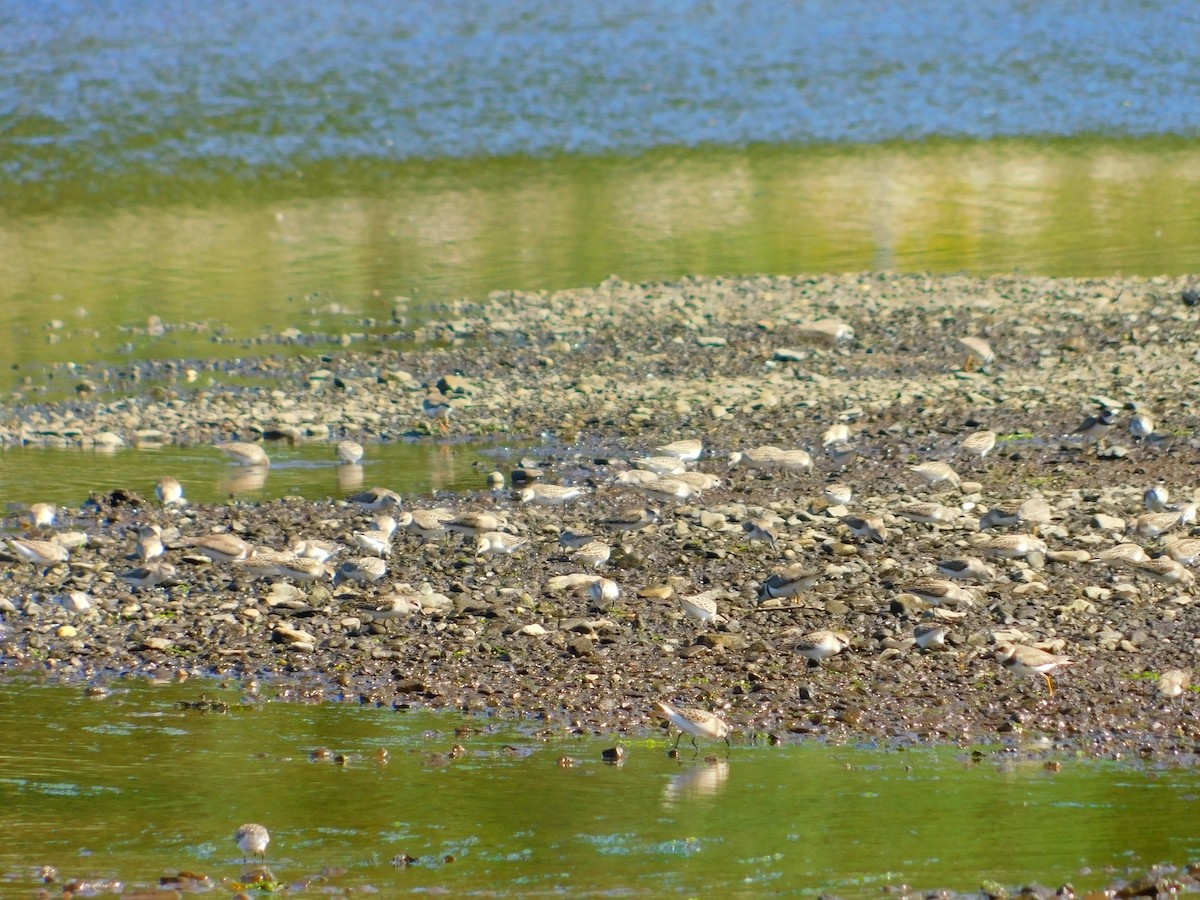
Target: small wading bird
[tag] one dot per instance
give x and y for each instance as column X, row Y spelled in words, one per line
column 252, row 840
column 695, row 722
column 1022, row 660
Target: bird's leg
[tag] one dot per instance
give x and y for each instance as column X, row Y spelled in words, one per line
column 1049, row 683
column 677, row 737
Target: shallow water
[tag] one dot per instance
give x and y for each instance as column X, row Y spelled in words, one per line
column 131, row 787
column 106, row 90
column 365, row 251
column 66, row 477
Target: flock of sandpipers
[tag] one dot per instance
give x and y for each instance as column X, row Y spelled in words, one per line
column 663, row 477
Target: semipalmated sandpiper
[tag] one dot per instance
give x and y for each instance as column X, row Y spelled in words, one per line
column 499, row 542
column 821, row 645
column 349, row 453
column 243, row 453
column 703, row 607
column 593, row 554
column 365, row 569
column 252, row 840
column 978, row 444
column 695, row 722
column 688, row 449
column 550, row 494
column 220, row 547
column 633, row 518
column 168, row 490
column 936, row 474
column 660, row 465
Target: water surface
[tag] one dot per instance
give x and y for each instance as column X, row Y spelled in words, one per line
column 131, row 787
column 67, row 476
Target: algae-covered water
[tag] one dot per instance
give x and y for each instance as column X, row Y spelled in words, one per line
column 131, row 787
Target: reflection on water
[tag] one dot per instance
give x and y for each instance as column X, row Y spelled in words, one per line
column 700, row 779
column 92, row 785
column 66, row 477
column 377, row 249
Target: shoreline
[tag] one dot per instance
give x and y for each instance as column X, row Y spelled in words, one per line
column 611, row 373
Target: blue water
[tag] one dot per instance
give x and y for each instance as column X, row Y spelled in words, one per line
column 157, row 85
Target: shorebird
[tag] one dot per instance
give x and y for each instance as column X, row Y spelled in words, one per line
column 668, row 489
column 1123, row 554
column 221, row 547
column 835, row 434
column 474, row 524
column 493, row 542
column 936, row 474
column 436, row 406
column 1152, row 525
column 838, row 494
column 866, row 528
column 688, row 449
column 573, row 540
column 41, row 515
column 1022, row 660
column 302, row 569
column 1156, row 498
column 966, row 568
column 978, row 444
column 1141, row 426
column 604, row 590
column 149, row 543
column 630, row 519
column 979, row 351
column 1163, row 569
column 695, row 722
column 375, row 499
column 794, row 461
column 939, row 592
column 1174, row 682
column 349, row 453
column 428, row 524
column 763, row 457
column 549, row 494
column 660, row 465
column 761, row 529
column 168, row 490
column 1183, row 550
column 245, row 454
column 264, row 563
column 821, row 645
column 365, row 569
column 928, row 635
column 46, row 554
column 252, row 840
column 593, row 554
column 929, row 513
column 1012, row 546
column 377, row 541
column 1093, row 428
column 149, row 576
column 703, row 607
column 788, row 581
column 315, row 548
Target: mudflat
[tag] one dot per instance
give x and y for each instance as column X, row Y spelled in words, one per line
column 931, row 469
